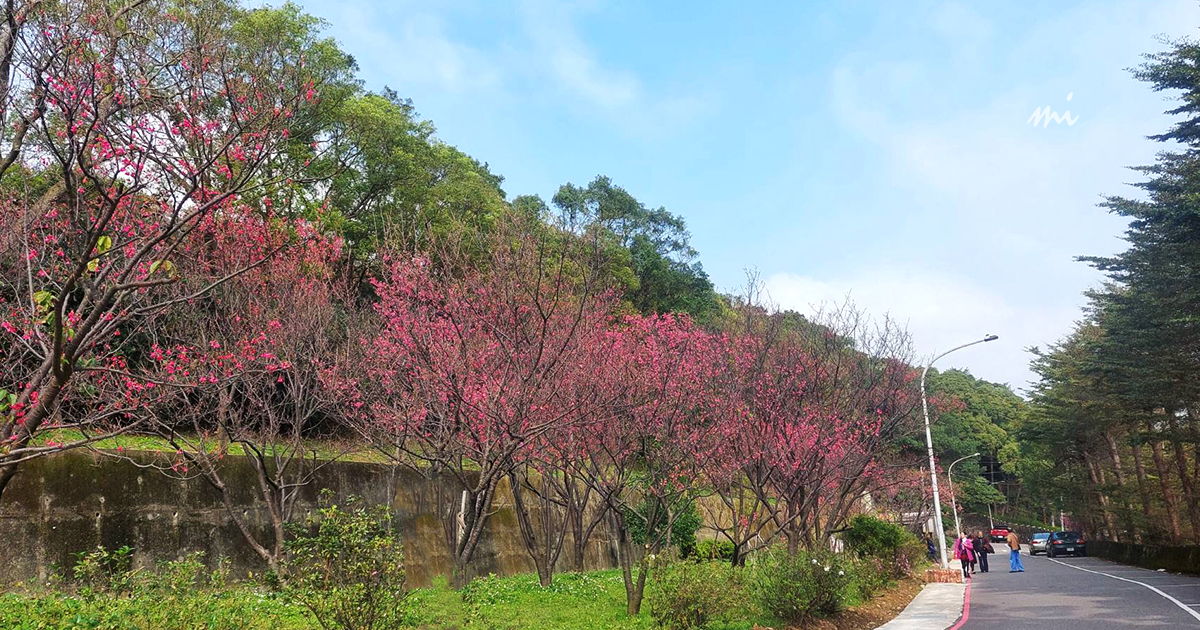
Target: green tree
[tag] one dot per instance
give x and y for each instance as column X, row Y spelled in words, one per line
column 977, row 421
column 665, row 274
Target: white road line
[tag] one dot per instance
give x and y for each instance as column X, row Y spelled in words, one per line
column 1178, row 603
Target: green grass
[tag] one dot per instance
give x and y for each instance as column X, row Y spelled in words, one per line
column 586, row 601
column 235, row 608
column 574, row 601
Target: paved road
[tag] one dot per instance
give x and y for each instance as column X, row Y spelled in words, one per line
column 1071, row 594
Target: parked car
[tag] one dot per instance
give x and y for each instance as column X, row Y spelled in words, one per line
column 1066, row 543
column 999, row 533
column 1040, row 543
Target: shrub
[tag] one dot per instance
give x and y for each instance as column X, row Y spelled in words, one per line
column 870, row 575
column 683, row 530
column 347, row 568
column 714, row 550
column 104, row 571
column 869, row 537
column 911, row 555
column 687, row 595
column 796, row 588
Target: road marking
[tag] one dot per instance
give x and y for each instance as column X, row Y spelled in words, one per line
column 966, row 613
column 1178, row 603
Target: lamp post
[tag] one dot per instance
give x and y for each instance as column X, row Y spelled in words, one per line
column 953, row 503
column 937, row 501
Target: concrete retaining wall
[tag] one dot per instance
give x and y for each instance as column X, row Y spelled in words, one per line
column 1183, row 559
column 58, row 506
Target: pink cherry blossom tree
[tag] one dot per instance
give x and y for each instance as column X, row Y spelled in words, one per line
column 477, row 357
column 822, row 404
column 246, row 363
column 139, row 123
column 644, row 461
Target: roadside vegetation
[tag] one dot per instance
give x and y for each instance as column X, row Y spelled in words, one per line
column 347, row 574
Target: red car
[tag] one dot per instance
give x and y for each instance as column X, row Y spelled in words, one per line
column 999, row 533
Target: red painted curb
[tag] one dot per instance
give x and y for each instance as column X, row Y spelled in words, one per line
column 966, row 613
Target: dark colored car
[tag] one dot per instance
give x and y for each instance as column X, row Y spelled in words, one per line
column 999, row 533
column 1066, row 543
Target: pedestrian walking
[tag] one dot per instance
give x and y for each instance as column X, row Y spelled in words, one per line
column 965, row 554
column 974, row 551
column 929, row 546
column 1014, row 553
column 982, row 549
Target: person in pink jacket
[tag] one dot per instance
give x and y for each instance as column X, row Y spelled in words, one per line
column 965, row 552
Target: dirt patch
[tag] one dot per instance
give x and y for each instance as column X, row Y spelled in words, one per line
column 880, row 610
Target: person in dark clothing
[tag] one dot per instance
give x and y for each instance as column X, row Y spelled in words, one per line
column 982, row 549
column 974, row 548
column 929, row 546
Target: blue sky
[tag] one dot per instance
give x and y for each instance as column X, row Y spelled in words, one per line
column 880, row 150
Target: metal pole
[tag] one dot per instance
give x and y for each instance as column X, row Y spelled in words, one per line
column 954, row 509
column 937, row 501
column 953, row 503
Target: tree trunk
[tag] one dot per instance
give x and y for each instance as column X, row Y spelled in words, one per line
column 543, row 535
column 6, row 475
column 1164, row 481
column 1189, row 492
column 1144, row 489
column 1114, row 453
column 577, row 497
column 1096, row 474
column 634, row 601
column 625, row 559
column 18, row 436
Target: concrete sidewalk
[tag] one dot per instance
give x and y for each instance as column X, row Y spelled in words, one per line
column 936, row 607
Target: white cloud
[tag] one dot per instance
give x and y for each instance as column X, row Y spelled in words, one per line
column 556, row 54
column 411, row 50
column 560, row 50
column 939, row 309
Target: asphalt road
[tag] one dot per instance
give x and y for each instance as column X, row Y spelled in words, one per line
column 1071, row 593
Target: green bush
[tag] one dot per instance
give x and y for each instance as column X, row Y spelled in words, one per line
column 870, row 537
column 104, row 571
column 870, row 576
column 347, row 568
column 683, row 530
column 687, row 595
column 911, row 556
column 714, row 550
column 796, row 588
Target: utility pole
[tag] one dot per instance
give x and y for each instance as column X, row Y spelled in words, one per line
column 937, row 501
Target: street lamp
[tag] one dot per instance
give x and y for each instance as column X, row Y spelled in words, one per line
column 937, row 501
column 953, row 503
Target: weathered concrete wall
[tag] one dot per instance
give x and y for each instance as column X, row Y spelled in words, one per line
column 1181, row 559
column 58, row 506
